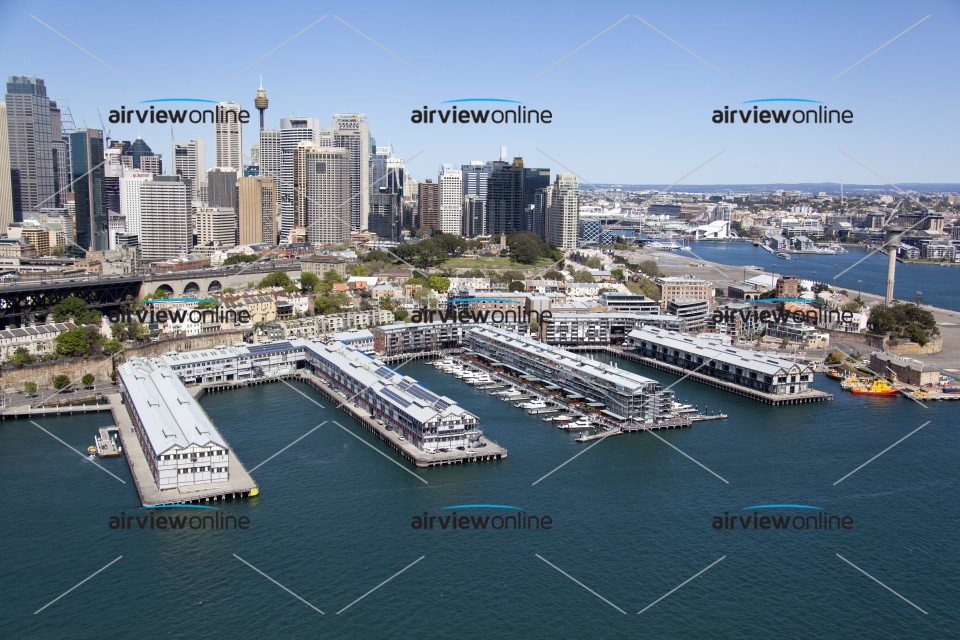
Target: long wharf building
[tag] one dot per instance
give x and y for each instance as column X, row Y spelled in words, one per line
column 756, row 371
column 624, row 395
column 182, row 446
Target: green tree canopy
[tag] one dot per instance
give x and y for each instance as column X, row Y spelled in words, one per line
column 61, row 381
column 74, row 308
column 87, row 379
column 275, row 279
column 308, row 281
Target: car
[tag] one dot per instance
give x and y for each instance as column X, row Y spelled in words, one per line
column 460, row 448
column 401, row 438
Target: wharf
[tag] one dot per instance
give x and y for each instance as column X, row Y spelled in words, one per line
column 812, row 395
column 30, row 411
column 240, row 484
column 488, row 450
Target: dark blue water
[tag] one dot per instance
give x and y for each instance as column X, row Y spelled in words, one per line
column 938, row 285
column 632, row 520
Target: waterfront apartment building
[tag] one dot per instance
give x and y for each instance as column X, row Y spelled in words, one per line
column 234, row 363
column 430, row 422
column 313, row 326
column 693, row 313
column 758, row 371
column 182, row 446
column 686, row 287
column 629, row 302
column 624, row 395
column 580, row 329
column 798, row 333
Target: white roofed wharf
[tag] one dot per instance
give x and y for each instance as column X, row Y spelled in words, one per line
column 170, row 417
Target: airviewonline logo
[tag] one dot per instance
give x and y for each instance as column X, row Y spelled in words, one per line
column 821, row 314
column 511, row 519
column 819, row 114
column 154, row 115
column 518, row 113
column 781, row 516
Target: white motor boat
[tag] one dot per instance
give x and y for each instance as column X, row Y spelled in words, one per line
column 536, row 403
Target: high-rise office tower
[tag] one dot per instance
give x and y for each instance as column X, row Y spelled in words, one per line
column 216, row 227
column 87, row 159
column 505, row 197
column 385, row 214
column 378, row 168
column 141, row 152
column 165, row 219
column 228, row 136
column 474, row 216
column 533, row 180
column 222, row 188
column 450, row 198
column 321, row 195
column 293, row 131
column 428, row 206
column 112, row 172
column 152, row 163
column 258, row 209
column 30, row 139
column 60, row 153
column 6, row 188
column 351, row 132
column 540, row 207
column 130, row 182
column 188, row 163
column 269, row 154
column 563, row 215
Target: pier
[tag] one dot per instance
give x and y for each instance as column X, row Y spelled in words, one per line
column 30, row 411
column 240, row 484
column 488, row 450
column 767, row 398
column 106, row 442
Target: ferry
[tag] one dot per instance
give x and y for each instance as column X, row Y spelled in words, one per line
column 834, row 373
column 878, row 387
column 536, row 403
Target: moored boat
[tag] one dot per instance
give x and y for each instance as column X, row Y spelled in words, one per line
column 878, row 387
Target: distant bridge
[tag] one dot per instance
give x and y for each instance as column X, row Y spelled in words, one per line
column 210, row 281
column 21, row 302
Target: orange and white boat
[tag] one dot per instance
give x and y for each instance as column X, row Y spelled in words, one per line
column 878, row 387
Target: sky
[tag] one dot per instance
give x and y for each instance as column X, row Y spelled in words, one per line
column 631, row 86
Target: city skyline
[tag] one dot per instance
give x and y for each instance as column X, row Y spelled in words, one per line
column 611, row 123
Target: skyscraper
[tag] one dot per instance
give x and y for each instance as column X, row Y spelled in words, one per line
column 130, row 182
column 292, row 132
column 322, row 193
column 563, row 215
column 351, row 132
column 216, row 227
column 450, row 198
column 505, row 197
column 474, row 216
column 222, row 188
column 269, row 154
column 428, row 205
column 165, row 219
column 385, row 214
column 142, row 154
column 378, row 168
column 6, row 190
column 533, row 180
column 258, row 210
column 30, row 139
column 87, row 159
column 188, row 163
column 228, row 136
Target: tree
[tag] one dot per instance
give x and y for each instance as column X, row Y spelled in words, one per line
column 87, row 379
column 74, row 308
column 61, row 381
column 73, row 343
column 618, row 274
column 330, row 278
column 594, row 262
column 439, row 283
column 834, row 357
column 275, row 279
column 112, row 346
column 473, row 273
column 358, row 270
column 239, row 258
column 30, row 387
column 651, row 268
column 309, row 281
column 159, row 294
column 331, row 303
column 400, row 315
column 554, row 275
column 583, row 276
column 516, row 285
column 20, row 358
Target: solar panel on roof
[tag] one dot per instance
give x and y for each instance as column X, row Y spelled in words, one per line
column 384, row 372
column 419, row 392
column 393, row 395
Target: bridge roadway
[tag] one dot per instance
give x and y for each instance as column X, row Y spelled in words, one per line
column 21, row 301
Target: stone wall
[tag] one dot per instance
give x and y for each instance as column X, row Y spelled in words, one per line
column 43, row 373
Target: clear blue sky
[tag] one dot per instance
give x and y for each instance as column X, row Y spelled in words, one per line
column 629, row 107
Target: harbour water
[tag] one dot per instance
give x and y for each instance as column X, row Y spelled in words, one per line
column 937, row 284
column 632, row 519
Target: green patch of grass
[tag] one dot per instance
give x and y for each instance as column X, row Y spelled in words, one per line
column 492, row 262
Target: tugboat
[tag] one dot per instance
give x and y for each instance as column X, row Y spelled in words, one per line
column 878, row 387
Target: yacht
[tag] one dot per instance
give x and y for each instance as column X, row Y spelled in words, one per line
column 481, row 378
column 581, row 424
column 510, row 393
column 536, row 403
